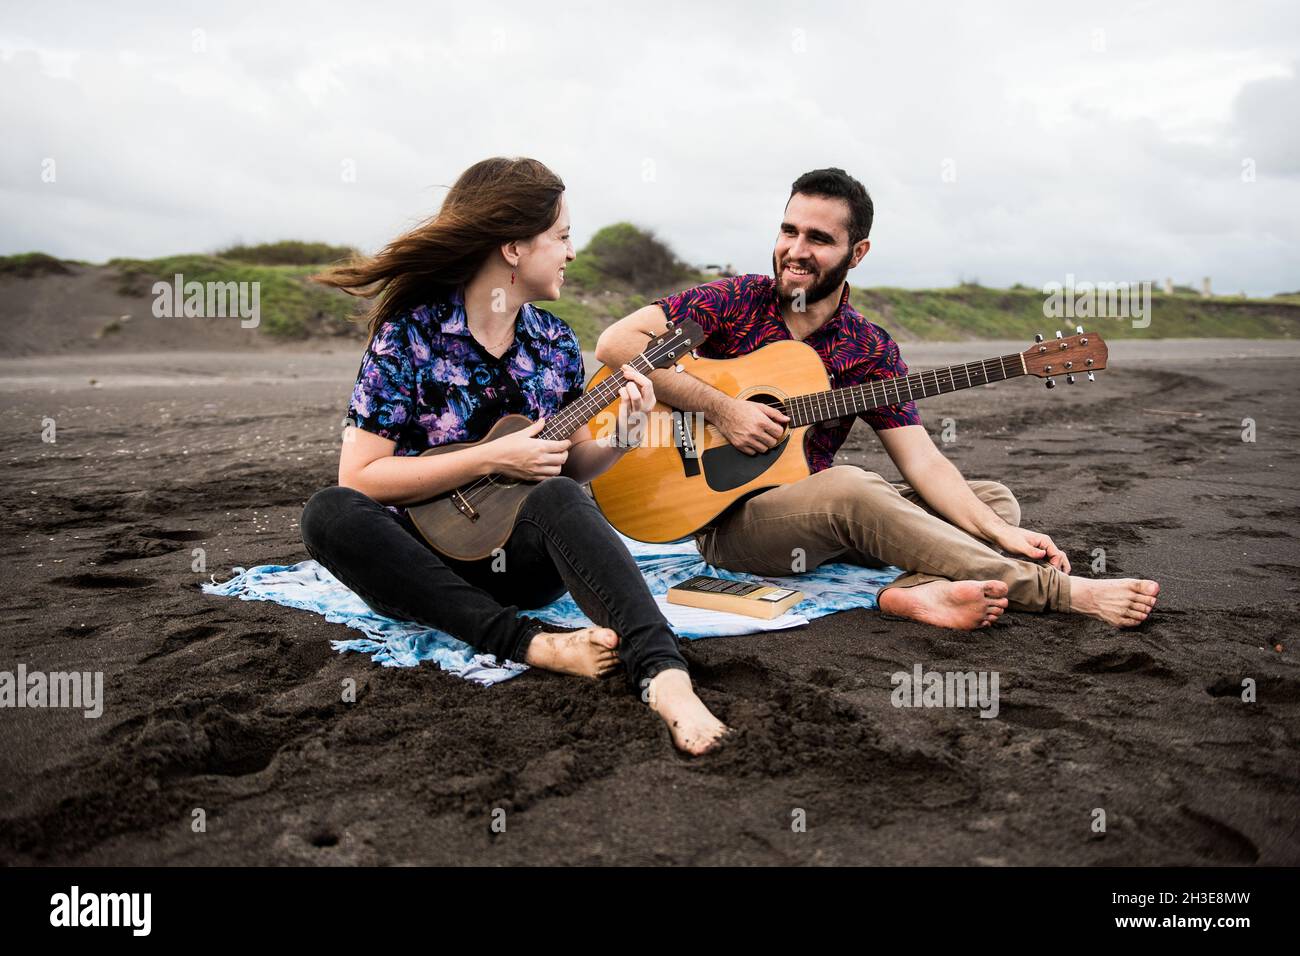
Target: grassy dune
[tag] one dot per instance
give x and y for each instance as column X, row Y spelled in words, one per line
column 974, row 312
column 623, row 268
column 291, row 306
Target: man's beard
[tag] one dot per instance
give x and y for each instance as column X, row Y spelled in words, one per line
column 829, row 284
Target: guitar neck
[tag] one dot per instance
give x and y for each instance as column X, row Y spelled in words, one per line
column 841, row 402
column 816, row 406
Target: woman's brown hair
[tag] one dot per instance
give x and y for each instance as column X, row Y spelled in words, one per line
column 493, row 202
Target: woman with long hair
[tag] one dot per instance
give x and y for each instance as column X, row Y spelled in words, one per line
column 455, row 344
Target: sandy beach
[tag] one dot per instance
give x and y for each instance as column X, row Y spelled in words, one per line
column 234, row 708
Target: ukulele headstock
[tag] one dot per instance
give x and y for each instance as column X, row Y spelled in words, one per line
column 678, row 339
column 1083, row 352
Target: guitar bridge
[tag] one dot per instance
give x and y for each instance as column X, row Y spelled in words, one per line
column 685, row 446
column 463, row 506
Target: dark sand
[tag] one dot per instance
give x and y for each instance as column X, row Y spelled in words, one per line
column 234, row 707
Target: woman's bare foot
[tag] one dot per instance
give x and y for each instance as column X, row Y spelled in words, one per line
column 1124, row 602
column 695, row 731
column 964, row 605
column 590, row 652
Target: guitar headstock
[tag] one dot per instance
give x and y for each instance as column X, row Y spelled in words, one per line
column 1068, row 356
column 664, row 350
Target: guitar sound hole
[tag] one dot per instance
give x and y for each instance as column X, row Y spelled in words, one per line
column 726, row 467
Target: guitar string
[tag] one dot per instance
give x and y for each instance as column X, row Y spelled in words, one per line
column 825, row 406
column 803, row 405
column 809, row 408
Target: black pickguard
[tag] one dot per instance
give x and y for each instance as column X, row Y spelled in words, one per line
column 726, row 467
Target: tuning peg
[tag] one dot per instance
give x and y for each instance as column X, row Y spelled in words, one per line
column 1038, row 336
column 1058, row 334
column 677, row 367
column 1091, row 377
column 1078, row 329
column 1051, row 383
column 1069, row 380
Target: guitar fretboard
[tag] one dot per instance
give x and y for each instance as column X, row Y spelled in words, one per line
column 841, row 402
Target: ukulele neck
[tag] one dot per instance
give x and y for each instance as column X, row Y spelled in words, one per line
column 582, row 410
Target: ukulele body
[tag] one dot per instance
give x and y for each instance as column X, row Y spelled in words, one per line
column 469, row 525
column 470, row 522
column 657, row 493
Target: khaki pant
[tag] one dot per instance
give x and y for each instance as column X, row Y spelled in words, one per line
column 844, row 513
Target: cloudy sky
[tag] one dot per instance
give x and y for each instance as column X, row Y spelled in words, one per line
column 1001, row 142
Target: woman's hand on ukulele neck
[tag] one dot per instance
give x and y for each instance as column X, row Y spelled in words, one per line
column 524, row 456
column 636, row 400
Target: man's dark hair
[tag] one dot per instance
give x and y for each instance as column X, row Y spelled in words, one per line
column 837, row 184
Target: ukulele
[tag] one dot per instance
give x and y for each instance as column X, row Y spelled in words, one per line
column 470, row 522
column 671, row 489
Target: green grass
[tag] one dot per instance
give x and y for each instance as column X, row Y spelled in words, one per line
column 288, row 252
column 26, row 265
column 583, row 272
column 973, row 312
column 602, row 287
column 290, row 306
column 579, row 316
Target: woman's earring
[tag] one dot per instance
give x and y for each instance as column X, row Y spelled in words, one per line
column 512, row 278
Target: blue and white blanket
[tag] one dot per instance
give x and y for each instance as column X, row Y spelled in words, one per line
column 308, row 586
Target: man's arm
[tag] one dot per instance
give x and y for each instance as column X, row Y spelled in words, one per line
column 627, row 338
column 750, row 426
column 938, row 481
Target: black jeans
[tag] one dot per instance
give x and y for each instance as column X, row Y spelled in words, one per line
column 561, row 542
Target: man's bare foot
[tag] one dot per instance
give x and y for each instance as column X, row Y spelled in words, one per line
column 695, row 731
column 1124, row 602
column 590, row 652
column 964, row 605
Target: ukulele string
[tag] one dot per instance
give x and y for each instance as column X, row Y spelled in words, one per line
column 485, row 484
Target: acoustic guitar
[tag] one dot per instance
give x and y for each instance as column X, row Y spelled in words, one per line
column 667, row 490
column 472, row 521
